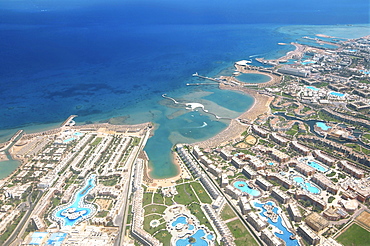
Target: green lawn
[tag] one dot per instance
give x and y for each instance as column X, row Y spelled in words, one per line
column 158, row 209
column 96, row 141
column 168, row 201
column 158, row 198
column 227, row 213
column 149, row 218
column 355, row 235
column 186, row 195
column 202, row 194
column 165, row 237
column 241, row 234
column 147, row 199
column 196, row 210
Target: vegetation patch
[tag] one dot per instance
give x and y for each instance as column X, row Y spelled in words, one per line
column 157, row 209
column 241, row 234
column 202, row 194
column 227, row 213
column 185, row 194
column 355, row 235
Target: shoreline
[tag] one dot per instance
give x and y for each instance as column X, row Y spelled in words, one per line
column 169, row 181
column 235, row 128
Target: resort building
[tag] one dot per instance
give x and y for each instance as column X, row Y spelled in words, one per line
column 210, row 187
column 226, row 154
column 238, row 163
column 259, row 131
column 325, row 183
column 351, row 169
column 224, row 181
column 300, row 148
column 227, row 237
column 279, row 195
column 279, row 139
column 278, row 155
column 197, row 152
column 235, row 193
column 334, row 213
column 264, row 184
column 313, row 199
column 316, row 221
column 293, row 71
column 205, row 161
column 282, row 180
column 244, row 205
column 323, row 157
column 294, row 212
column 310, row 236
column 257, row 164
column 215, row 170
column 256, row 221
column 305, row 169
column 218, row 203
column 249, row 172
column 270, row 238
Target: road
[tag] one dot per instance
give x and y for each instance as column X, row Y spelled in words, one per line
column 128, row 190
column 16, row 237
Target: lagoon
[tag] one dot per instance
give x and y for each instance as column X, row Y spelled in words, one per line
column 253, row 78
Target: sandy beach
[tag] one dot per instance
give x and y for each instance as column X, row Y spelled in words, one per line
column 235, row 129
column 167, row 182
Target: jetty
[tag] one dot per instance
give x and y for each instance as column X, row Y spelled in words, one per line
column 204, row 77
column 202, row 84
column 69, row 121
column 13, row 139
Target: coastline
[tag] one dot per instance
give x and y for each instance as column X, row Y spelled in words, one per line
column 235, row 128
column 154, row 183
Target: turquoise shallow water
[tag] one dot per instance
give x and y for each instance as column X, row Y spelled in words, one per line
column 114, row 59
column 253, row 78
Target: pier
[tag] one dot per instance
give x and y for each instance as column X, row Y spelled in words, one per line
column 204, row 77
column 69, row 121
column 202, row 84
column 8, row 144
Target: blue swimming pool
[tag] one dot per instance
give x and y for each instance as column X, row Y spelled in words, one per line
column 243, row 186
column 306, row 185
column 38, row 237
column 336, row 94
column 270, row 163
column 182, row 220
column 69, row 140
column 312, row 88
column 323, row 126
column 76, row 211
column 285, row 233
column 78, row 134
column 317, row 166
column 199, row 237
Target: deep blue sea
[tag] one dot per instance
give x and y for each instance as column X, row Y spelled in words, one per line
column 112, row 60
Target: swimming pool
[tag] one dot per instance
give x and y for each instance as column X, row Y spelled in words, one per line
column 336, row 94
column 306, row 185
column 68, row 140
column 75, row 212
column 270, row 163
column 323, row 126
column 199, row 237
column 243, row 186
column 78, row 134
column 312, row 88
column 182, row 220
column 317, row 166
column 279, row 224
